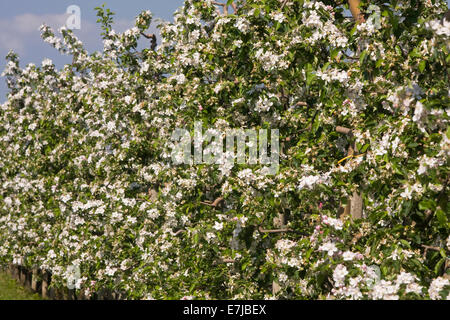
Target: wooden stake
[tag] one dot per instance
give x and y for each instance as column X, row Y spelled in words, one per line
column 354, row 207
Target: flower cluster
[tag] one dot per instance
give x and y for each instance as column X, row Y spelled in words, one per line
column 87, row 179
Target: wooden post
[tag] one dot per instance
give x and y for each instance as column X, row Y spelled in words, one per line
column 81, row 295
column 22, row 276
column 28, row 278
column 45, row 283
column 354, row 207
column 14, row 271
column 278, row 222
column 71, row 295
column 35, row 281
column 356, row 12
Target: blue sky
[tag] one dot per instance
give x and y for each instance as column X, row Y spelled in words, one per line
column 20, row 21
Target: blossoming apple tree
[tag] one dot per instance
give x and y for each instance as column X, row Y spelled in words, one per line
column 86, row 177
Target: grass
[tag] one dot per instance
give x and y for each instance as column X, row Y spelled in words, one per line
column 11, row 290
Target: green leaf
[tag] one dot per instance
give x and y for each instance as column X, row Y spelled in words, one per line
column 427, row 204
column 422, row 65
column 362, row 56
column 442, row 218
column 364, row 148
column 245, row 265
column 379, row 62
column 438, row 266
column 405, row 243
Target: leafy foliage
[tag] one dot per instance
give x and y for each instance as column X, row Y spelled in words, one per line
column 87, row 178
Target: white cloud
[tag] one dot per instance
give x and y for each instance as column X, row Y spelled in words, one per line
column 17, row 32
column 21, row 33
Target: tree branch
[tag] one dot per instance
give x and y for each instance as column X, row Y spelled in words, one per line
column 152, row 37
column 275, row 230
column 343, row 130
column 179, row 232
column 213, row 204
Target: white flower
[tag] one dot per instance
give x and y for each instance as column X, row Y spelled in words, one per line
column 218, row 226
column 242, row 24
column 111, row 125
column 144, row 67
column 282, row 277
column 336, row 223
column 131, row 220
column 110, row 271
column 237, row 101
column 153, row 213
column 116, row 217
column 330, row 247
column 8, row 201
column 51, row 254
column 246, row 175
column 180, row 78
column 419, row 112
column 238, row 43
column 384, row 290
column 414, row 288
column 279, row 17
column 348, row 255
column 308, row 182
column 100, row 210
column 436, row 286
column 128, row 99
column 218, row 88
column 407, row 193
column 47, row 62
column 284, row 245
column 65, row 198
column 210, row 236
column 440, row 29
column 107, row 44
column 313, row 20
column 263, row 104
column 339, row 275
column 405, row 278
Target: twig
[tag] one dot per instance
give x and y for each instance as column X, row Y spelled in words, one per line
column 179, row 231
column 151, row 36
column 431, row 247
column 275, row 230
column 213, row 204
column 224, row 5
column 224, row 261
column 350, row 57
column 343, row 130
column 284, row 3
